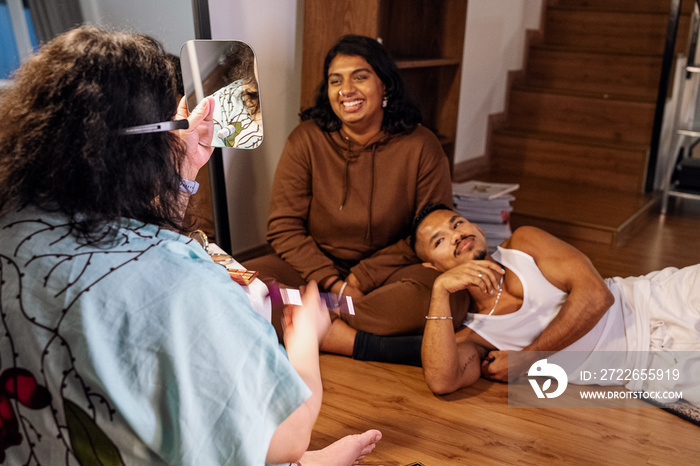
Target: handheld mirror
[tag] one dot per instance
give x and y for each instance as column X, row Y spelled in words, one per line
column 227, row 71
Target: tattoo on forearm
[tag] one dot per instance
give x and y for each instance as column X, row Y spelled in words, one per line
column 468, row 363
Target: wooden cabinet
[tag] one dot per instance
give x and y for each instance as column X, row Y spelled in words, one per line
column 425, row 37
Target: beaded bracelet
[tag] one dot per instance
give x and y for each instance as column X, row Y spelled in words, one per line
column 438, row 318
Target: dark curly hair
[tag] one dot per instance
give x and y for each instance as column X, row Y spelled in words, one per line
column 239, row 63
column 400, row 114
column 59, row 144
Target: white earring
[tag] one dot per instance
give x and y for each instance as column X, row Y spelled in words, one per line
column 385, row 101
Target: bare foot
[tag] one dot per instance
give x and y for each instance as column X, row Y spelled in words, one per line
column 347, row 451
column 340, row 339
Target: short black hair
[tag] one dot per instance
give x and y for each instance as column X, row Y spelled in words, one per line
column 424, row 212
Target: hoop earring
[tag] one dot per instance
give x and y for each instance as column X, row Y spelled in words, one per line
column 385, row 101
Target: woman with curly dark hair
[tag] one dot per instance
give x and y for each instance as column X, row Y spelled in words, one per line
column 350, row 180
column 59, row 142
column 122, row 341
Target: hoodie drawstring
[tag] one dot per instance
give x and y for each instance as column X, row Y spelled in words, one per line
column 346, row 185
column 368, row 236
column 346, row 178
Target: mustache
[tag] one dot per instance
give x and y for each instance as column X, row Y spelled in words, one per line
column 459, row 241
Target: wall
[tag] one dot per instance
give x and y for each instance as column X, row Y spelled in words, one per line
column 494, row 44
column 169, row 21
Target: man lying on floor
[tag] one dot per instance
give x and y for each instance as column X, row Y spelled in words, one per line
column 538, row 293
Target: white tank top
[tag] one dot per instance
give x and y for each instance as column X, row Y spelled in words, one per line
column 541, row 303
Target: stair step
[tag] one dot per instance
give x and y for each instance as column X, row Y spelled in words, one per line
column 605, row 74
column 639, row 6
column 523, row 85
column 608, row 31
column 574, row 211
column 579, row 123
column 551, row 156
column 581, row 116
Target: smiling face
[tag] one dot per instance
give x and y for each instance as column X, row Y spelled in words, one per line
column 355, row 93
column 446, row 240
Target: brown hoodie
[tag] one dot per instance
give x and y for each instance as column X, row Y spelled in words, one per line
column 336, row 200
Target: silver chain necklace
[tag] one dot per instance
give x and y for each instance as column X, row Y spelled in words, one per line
column 498, row 296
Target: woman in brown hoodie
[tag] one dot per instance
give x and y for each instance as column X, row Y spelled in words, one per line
column 350, row 180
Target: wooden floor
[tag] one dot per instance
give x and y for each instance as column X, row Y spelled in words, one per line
column 663, row 241
column 476, row 426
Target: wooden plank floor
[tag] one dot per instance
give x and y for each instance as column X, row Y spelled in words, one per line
column 662, row 241
column 476, row 426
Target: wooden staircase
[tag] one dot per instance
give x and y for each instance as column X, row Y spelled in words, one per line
column 579, row 119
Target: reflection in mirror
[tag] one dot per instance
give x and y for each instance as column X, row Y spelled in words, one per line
column 225, row 70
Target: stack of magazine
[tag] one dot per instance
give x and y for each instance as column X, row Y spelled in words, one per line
column 488, row 205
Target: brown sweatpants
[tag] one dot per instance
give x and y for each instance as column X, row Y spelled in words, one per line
column 398, row 307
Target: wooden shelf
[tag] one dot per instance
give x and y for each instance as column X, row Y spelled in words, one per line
column 406, row 63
